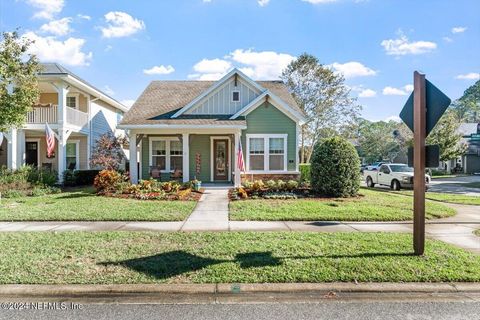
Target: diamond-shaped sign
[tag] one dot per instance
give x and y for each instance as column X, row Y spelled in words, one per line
column 437, row 103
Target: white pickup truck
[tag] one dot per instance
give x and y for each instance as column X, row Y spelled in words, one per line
column 394, row 175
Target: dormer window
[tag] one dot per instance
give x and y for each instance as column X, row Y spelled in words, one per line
column 235, row 96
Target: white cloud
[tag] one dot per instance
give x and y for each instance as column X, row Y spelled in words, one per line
column 447, row 39
column 128, row 102
column 319, row 1
column 207, row 1
column 258, row 65
column 353, row 69
column 402, row 46
column 84, row 16
column 459, row 29
column 68, row 52
column 367, row 93
column 121, row 24
column 59, row 27
column 108, row 90
column 263, row 3
column 262, row 65
column 403, row 91
column 108, row 48
column 47, row 9
column 468, row 76
column 161, row 69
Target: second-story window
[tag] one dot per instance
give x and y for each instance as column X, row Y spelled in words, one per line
column 72, row 102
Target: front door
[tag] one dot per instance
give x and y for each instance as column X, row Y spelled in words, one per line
column 31, row 153
column 221, row 160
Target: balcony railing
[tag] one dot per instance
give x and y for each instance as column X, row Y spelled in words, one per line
column 43, row 114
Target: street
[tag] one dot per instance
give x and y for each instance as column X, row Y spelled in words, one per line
column 437, row 310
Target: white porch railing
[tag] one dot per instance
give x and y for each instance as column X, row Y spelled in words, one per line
column 43, row 114
column 77, row 118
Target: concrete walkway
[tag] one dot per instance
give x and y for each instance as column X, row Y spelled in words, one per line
column 211, row 212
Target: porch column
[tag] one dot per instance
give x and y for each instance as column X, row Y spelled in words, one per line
column 133, row 158
column 89, row 136
column 237, row 179
column 21, row 148
column 62, row 91
column 12, row 150
column 186, row 157
column 62, row 153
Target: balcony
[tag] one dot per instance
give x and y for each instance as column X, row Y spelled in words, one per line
column 49, row 113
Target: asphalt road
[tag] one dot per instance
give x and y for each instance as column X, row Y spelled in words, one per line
column 436, row 310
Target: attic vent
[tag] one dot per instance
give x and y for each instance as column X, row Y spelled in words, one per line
column 235, row 96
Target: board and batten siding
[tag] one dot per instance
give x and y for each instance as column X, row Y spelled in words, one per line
column 220, row 101
column 267, row 119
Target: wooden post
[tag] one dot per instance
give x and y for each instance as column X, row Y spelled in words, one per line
column 419, row 132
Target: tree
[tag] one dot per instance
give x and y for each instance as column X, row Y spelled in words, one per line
column 108, row 153
column 18, row 80
column 382, row 139
column 323, row 96
column 467, row 108
column 446, row 136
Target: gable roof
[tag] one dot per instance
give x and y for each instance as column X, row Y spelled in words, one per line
column 57, row 70
column 163, row 99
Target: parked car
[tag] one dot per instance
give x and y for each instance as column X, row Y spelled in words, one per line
column 394, row 175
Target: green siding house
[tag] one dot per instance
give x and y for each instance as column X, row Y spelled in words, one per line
column 196, row 129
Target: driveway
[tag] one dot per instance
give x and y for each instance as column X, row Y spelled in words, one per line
column 457, row 185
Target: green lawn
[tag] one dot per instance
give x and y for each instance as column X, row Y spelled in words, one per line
column 247, row 257
column 370, row 206
column 446, row 197
column 84, row 205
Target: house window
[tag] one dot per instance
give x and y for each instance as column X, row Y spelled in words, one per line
column 267, row 152
column 276, row 154
column 176, row 158
column 72, row 156
column 257, row 153
column 72, row 102
column 235, row 96
column 166, row 154
column 159, row 154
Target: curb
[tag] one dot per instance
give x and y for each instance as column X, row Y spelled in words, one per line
column 76, row 290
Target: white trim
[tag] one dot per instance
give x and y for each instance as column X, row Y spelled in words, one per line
column 297, row 146
column 180, row 126
column 266, row 152
column 217, row 85
column 167, row 151
column 37, row 140
column 276, row 102
column 77, row 153
column 139, row 157
column 212, row 138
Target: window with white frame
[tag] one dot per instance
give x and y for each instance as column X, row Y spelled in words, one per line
column 166, row 154
column 72, row 102
column 267, row 152
column 72, row 155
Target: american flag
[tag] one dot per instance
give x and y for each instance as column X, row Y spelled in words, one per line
column 50, row 137
column 240, row 162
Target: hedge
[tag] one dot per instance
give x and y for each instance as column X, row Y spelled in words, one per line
column 304, row 171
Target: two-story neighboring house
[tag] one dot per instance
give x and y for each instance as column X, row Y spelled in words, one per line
column 198, row 128
column 77, row 112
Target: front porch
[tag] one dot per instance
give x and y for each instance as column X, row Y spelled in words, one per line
column 206, row 155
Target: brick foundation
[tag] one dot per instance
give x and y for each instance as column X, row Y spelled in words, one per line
column 272, row 176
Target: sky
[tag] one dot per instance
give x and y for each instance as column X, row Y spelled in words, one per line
column 122, row 45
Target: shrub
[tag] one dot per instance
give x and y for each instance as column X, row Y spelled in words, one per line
column 292, row 185
column 41, row 176
column 69, row 178
column 257, row 185
column 107, row 181
column 304, row 171
column 248, row 184
column 271, row 185
column 334, row 168
column 242, row 193
column 281, row 185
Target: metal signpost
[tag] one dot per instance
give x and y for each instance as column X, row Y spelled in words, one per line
column 421, row 113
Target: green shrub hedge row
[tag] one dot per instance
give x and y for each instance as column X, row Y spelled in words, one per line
column 79, row 177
